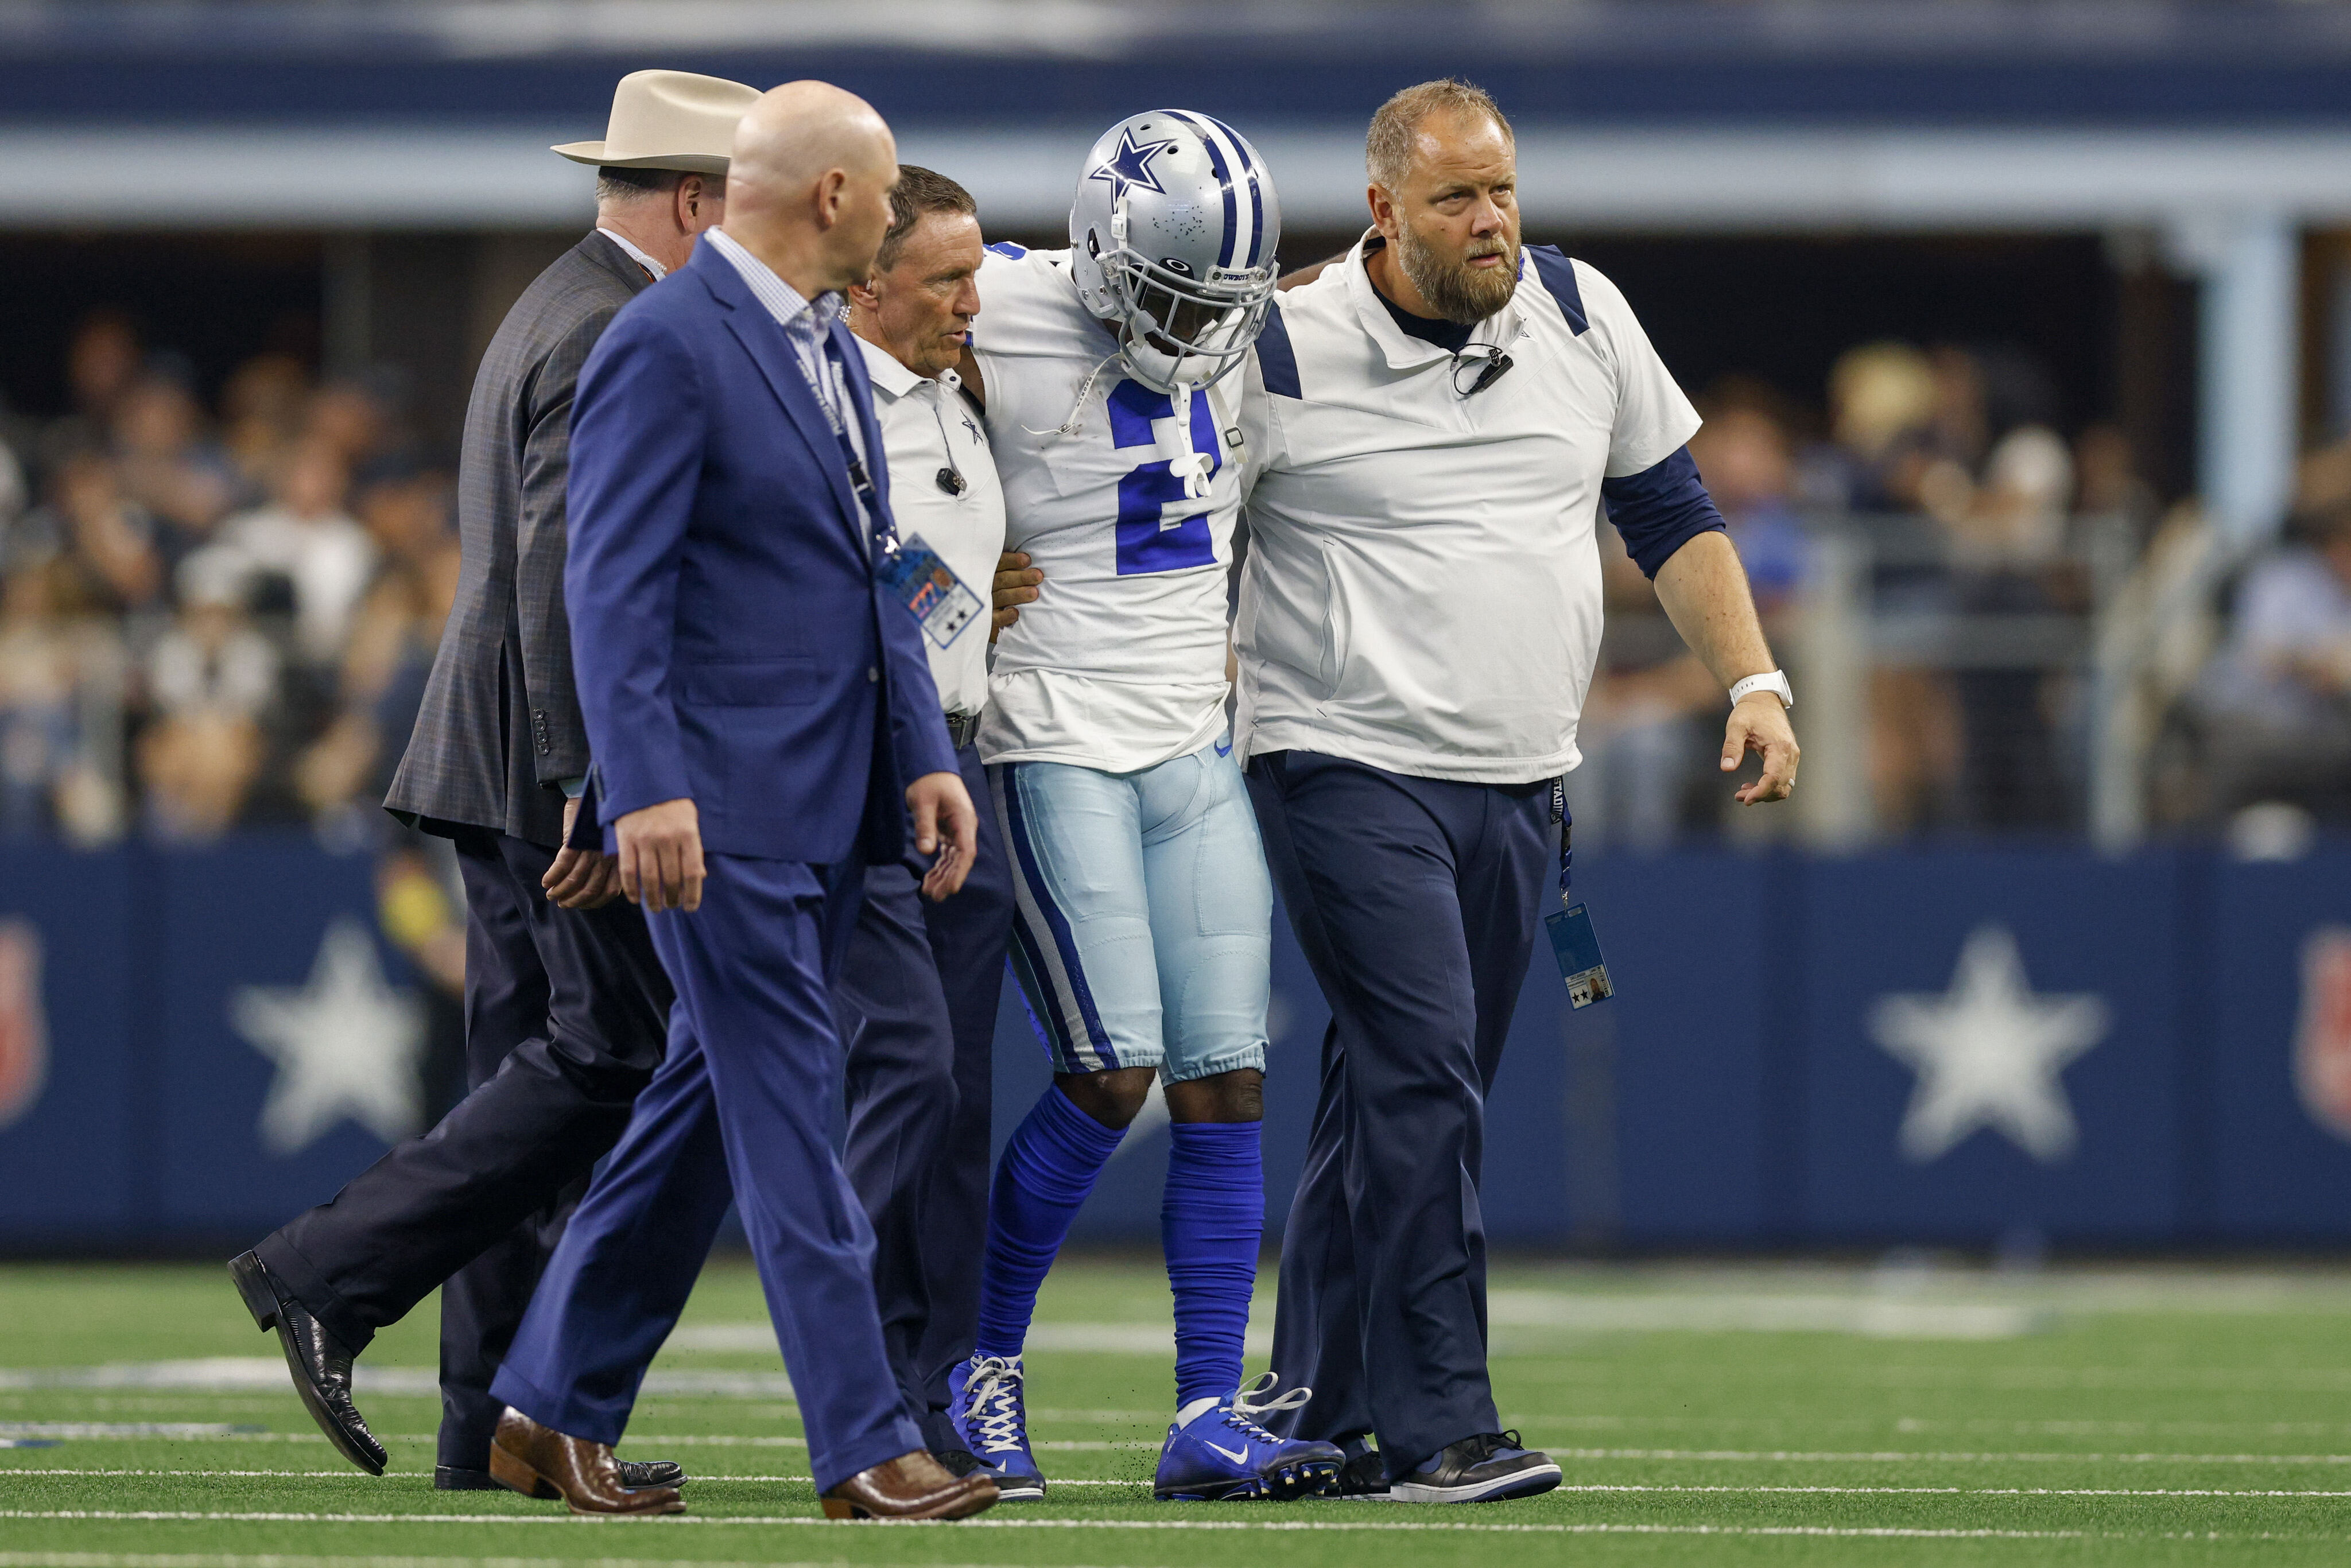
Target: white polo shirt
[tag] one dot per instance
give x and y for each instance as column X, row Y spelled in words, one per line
column 1422, row 588
column 927, row 427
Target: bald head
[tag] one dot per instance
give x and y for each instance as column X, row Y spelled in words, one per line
column 809, row 188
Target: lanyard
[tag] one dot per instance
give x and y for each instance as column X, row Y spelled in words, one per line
column 1566, row 850
column 884, row 534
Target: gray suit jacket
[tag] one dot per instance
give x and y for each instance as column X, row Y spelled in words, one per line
column 500, row 725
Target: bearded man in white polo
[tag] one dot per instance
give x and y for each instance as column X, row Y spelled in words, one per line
column 1437, row 420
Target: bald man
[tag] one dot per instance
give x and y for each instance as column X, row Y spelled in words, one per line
column 749, row 764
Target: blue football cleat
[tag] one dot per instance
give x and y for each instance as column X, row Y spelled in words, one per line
column 1217, row 1452
column 984, row 1405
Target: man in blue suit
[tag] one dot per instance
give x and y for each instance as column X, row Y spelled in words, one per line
column 763, row 723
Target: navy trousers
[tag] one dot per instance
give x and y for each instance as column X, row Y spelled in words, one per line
column 742, row 1108
column 917, row 998
column 1417, row 901
column 566, row 1013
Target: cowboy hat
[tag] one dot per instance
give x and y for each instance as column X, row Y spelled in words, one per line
column 668, row 119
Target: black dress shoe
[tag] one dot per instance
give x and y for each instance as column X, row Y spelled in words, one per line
column 636, row 1475
column 320, row 1363
column 1364, row 1475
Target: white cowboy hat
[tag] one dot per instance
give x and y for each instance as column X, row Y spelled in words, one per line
column 668, row 119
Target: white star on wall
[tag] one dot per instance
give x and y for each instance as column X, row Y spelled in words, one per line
column 346, row 1045
column 1988, row 1053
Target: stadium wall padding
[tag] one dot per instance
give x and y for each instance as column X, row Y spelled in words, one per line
column 2146, row 1051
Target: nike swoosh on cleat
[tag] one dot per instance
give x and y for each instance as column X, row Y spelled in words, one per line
column 1238, row 1456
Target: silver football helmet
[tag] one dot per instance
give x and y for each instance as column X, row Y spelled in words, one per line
column 1172, row 238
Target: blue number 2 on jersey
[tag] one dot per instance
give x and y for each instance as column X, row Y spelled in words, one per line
column 1145, row 543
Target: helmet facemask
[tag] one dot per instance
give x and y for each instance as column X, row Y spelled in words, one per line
column 1181, row 331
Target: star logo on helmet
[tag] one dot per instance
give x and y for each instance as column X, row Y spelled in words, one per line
column 1131, row 165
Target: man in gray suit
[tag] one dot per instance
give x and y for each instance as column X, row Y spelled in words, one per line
column 566, row 1003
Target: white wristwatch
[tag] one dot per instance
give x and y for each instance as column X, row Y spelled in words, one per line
column 1773, row 681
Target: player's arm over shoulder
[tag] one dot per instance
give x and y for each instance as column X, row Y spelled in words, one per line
column 1000, row 269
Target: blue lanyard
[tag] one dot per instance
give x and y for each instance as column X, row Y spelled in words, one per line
column 1566, row 851
column 885, row 534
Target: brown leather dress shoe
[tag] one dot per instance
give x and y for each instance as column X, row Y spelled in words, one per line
column 539, row 1461
column 912, row 1486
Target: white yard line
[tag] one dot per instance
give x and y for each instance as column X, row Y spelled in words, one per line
column 1968, row 1492
column 1058, row 1482
column 73, row 1560
column 213, row 1434
column 1910, row 1456
column 1308, row 1526
column 224, row 1559
column 8, row 1470
column 121, row 1429
column 247, row 1373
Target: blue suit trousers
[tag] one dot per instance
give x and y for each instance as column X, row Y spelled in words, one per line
column 742, row 1108
column 1417, row 902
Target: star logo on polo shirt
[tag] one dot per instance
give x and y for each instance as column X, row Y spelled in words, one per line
column 1988, row 1053
column 346, row 1045
column 1131, row 165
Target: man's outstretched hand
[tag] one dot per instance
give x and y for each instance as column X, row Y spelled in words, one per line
column 661, row 856
column 947, row 826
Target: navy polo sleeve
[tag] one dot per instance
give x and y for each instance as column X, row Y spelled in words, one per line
column 1660, row 509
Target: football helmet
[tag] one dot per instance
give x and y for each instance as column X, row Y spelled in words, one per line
column 1171, row 240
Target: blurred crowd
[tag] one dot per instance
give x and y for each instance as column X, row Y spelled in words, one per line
column 211, row 617
column 1975, row 541
column 219, row 617
column 2266, row 725
column 219, row 612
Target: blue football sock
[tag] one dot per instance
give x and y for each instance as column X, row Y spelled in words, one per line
column 1047, row 1169
column 1211, row 1222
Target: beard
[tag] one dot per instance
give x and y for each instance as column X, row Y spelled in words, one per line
column 1459, row 293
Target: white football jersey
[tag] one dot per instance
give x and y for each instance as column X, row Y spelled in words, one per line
column 1125, row 499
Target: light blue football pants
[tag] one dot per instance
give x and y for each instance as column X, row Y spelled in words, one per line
column 1142, row 922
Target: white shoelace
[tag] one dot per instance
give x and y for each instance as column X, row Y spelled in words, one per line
column 994, row 1389
column 1250, row 1406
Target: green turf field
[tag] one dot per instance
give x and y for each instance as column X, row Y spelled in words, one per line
column 1703, row 1415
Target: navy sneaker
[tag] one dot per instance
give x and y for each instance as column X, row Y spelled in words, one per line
column 984, row 1402
column 1488, row 1468
column 1217, row 1452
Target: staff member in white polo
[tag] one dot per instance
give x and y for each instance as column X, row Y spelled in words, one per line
column 1437, row 420
column 920, row 981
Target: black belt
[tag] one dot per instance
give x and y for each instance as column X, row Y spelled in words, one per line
column 963, row 729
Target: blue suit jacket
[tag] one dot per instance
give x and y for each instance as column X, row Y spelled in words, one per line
column 732, row 642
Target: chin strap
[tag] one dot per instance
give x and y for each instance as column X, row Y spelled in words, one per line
column 1077, row 420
